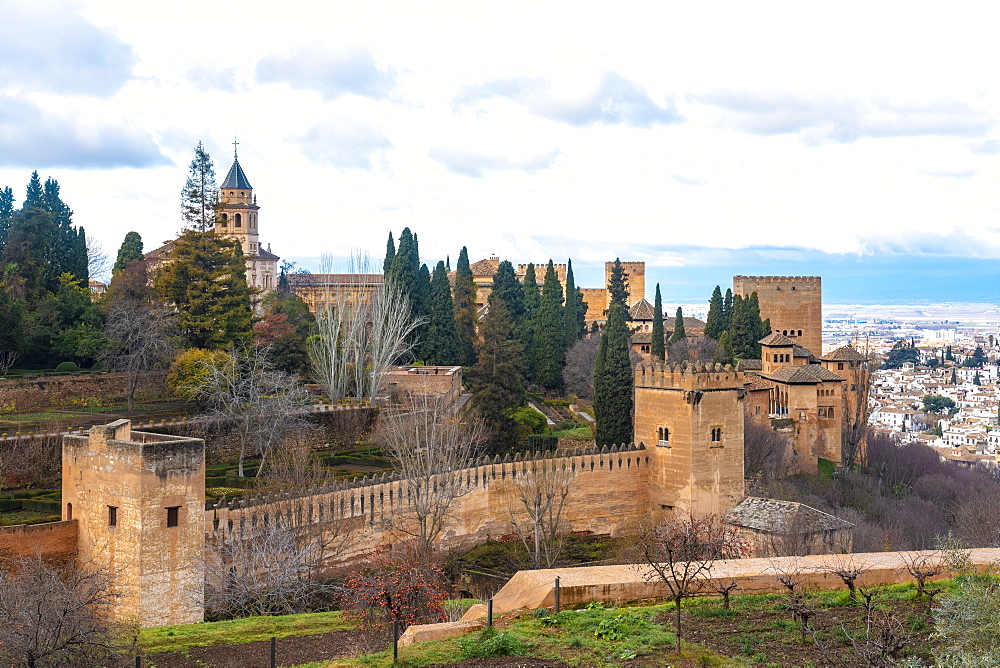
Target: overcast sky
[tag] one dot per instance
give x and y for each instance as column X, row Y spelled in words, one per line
column 705, row 138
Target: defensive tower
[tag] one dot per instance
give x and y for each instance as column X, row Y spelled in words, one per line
column 692, row 415
column 794, row 304
column 139, row 502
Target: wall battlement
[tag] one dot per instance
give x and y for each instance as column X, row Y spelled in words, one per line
column 687, row 376
column 804, row 281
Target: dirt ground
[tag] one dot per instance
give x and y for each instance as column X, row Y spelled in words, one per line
column 291, row 651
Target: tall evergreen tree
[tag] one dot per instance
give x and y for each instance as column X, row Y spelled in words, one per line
column 727, row 310
column 741, row 332
column 678, row 332
column 613, row 401
column 532, row 299
column 6, row 211
column 206, row 280
column 465, row 308
column 571, row 309
column 507, row 289
column 550, row 338
column 405, row 269
column 441, row 343
column 34, row 195
column 390, row 253
column 497, row 379
column 200, row 193
column 30, row 246
column 131, row 249
column 657, row 347
column 618, row 286
column 715, row 320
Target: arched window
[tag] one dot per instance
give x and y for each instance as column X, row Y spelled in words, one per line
column 784, row 332
column 663, row 435
column 800, row 332
column 239, row 220
column 225, row 218
column 69, row 511
column 716, row 434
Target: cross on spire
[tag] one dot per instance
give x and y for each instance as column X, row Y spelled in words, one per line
column 234, row 147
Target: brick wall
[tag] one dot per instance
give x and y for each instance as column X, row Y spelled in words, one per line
column 55, row 542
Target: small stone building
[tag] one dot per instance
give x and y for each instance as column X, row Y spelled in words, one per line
column 786, row 528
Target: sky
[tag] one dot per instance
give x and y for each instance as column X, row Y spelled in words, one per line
column 856, row 141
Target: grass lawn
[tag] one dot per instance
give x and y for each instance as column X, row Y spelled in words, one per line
column 235, row 631
column 581, row 433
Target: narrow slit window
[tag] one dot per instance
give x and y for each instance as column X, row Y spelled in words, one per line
column 112, row 516
column 173, row 515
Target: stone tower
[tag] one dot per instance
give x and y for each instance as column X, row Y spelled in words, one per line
column 692, row 416
column 635, row 274
column 237, row 219
column 139, row 502
column 794, row 304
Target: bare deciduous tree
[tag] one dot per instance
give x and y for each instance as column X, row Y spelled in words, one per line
column 922, row 567
column 428, row 442
column 856, row 407
column 848, row 569
column 7, row 360
column 139, row 340
column 360, row 335
column 542, row 487
column 273, row 570
column 53, row 617
column 245, row 394
column 763, row 450
column 682, row 552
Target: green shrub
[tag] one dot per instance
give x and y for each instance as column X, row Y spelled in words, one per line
column 67, row 367
column 621, row 626
column 490, row 642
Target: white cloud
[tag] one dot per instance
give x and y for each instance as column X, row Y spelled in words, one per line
column 477, row 165
column 345, row 144
column 331, row 73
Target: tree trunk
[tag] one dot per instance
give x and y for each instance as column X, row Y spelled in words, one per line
column 677, row 622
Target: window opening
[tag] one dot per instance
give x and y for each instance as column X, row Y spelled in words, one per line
column 112, row 516
column 173, row 514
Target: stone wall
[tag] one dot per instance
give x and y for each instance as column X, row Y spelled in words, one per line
column 607, row 495
column 792, row 303
column 33, row 393
column 55, row 542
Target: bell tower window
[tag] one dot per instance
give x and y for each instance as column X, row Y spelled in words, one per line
column 239, row 220
column 225, row 219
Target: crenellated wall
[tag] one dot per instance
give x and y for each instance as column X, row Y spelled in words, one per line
column 607, row 494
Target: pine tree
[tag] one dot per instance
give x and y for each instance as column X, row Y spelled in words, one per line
column 497, row 379
column 550, row 339
column 131, row 249
column 657, row 347
column 714, row 321
column 30, row 246
column 678, row 332
column 465, row 308
column 390, row 253
column 532, row 299
column 200, row 193
column 34, row 196
column 440, row 347
column 206, row 281
column 613, row 402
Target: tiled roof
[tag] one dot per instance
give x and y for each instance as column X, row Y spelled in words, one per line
column 808, row 373
column 799, row 351
column 749, row 365
column 641, row 310
column 484, row 267
column 236, row 178
column 844, row 354
column 781, row 517
column 267, row 255
column 776, row 339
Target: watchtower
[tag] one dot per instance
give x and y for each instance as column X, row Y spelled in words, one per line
column 692, row 415
column 635, row 275
column 139, row 502
column 794, row 304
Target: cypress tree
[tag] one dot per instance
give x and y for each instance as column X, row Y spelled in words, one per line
column 724, row 350
column 497, row 379
column 756, row 325
column 532, row 299
column 405, row 266
column 618, row 286
column 657, row 347
column 465, row 308
column 573, row 330
column 714, row 322
column 508, row 290
column 206, row 281
column 549, row 335
column 678, row 332
column 441, row 344
column 727, row 310
column 200, row 193
column 613, row 402
column 741, row 332
column 390, row 253
column 131, row 249
column 6, row 211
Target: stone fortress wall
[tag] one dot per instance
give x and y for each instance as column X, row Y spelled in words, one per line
column 794, row 304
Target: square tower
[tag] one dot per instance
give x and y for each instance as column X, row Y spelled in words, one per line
column 794, row 305
column 635, row 275
column 139, row 502
column 692, row 417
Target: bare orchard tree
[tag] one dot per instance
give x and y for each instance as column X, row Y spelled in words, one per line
column 98, row 263
column 857, row 407
column 274, row 570
column 7, row 360
column 681, row 553
column 247, row 396
column 848, row 569
column 541, row 489
column 360, row 335
column 53, row 617
column 428, row 442
column 763, row 451
column 139, row 341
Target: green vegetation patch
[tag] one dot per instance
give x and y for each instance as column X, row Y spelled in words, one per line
column 581, row 433
column 34, row 417
column 181, row 638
